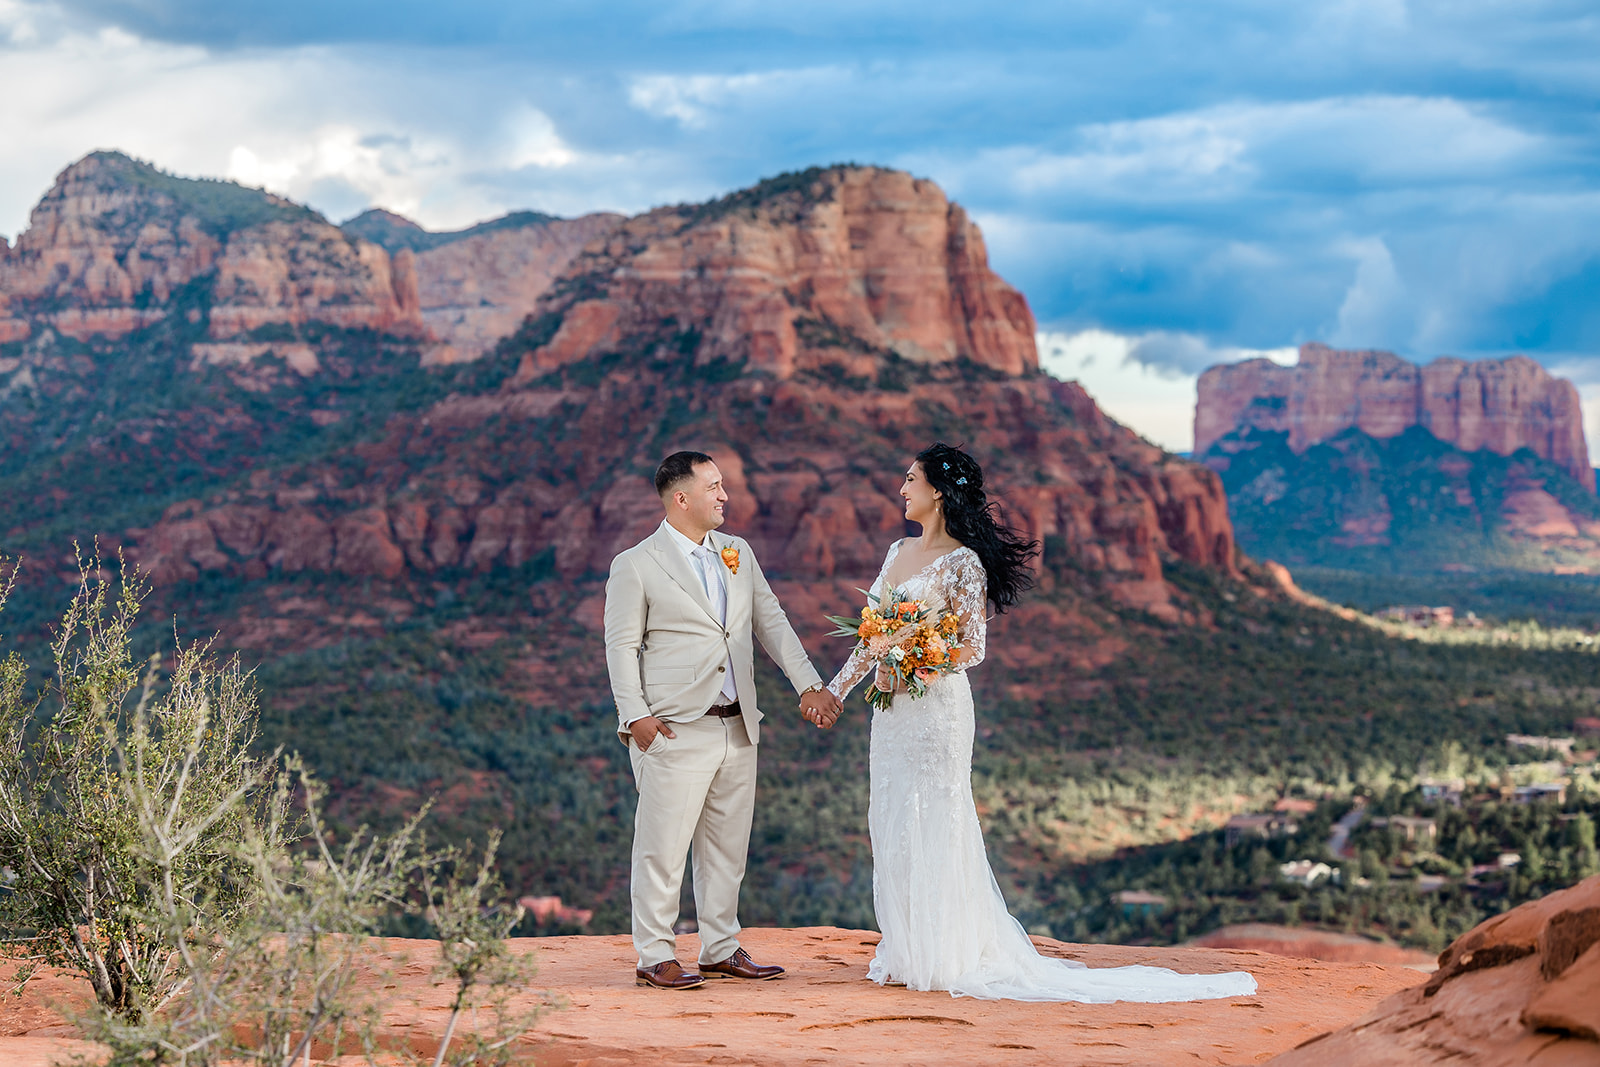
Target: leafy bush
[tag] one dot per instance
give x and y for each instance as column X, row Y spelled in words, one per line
column 98, row 776
column 194, row 884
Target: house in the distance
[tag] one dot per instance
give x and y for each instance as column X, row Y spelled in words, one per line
column 1418, row 829
column 1306, row 872
column 1530, row 794
column 1269, row 825
column 1560, row 745
column 1445, row 790
column 1421, row 615
column 1139, row 902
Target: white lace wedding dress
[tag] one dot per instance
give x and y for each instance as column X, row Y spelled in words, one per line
column 944, row 922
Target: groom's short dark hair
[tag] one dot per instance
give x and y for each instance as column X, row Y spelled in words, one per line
column 676, row 469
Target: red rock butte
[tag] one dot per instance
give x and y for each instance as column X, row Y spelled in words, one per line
column 1502, row 404
column 874, row 256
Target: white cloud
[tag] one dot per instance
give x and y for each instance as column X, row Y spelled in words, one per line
column 341, row 167
column 534, row 142
column 1147, row 381
column 1219, row 152
column 1376, row 304
column 339, row 129
column 692, row 100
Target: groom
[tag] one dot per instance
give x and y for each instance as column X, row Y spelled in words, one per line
column 681, row 607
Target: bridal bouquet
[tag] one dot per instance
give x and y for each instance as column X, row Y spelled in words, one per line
column 900, row 633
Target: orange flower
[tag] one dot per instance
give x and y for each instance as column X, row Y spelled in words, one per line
column 730, row 556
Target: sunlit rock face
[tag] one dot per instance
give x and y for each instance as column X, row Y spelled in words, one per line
column 1518, row 988
column 813, row 334
column 825, row 259
column 117, row 245
column 1501, row 405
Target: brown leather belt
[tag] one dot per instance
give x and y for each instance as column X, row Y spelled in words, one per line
column 724, row 711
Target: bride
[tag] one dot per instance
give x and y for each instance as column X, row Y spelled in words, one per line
column 944, row 922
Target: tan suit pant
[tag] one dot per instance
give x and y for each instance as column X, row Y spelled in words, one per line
column 698, row 789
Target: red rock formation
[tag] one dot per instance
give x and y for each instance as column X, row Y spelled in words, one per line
column 858, row 275
column 834, row 258
column 114, row 240
column 1108, row 505
column 1501, row 405
column 1521, row 988
column 478, row 289
column 821, row 328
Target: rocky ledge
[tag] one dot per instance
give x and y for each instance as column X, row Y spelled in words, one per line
column 826, row 1010
column 1521, row 988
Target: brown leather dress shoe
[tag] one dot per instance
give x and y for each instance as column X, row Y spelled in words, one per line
column 668, row 975
column 740, row 965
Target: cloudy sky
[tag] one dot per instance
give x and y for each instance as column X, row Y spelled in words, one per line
column 1170, row 184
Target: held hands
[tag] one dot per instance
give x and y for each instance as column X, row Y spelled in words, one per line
column 820, row 707
column 644, row 731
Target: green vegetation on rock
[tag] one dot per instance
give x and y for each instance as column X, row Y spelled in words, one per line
column 219, row 207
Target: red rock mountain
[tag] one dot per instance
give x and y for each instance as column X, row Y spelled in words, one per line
column 873, row 256
column 476, row 286
column 812, row 333
column 115, row 244
column 1500, row 405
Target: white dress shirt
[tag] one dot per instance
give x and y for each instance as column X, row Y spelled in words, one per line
column 707, row 564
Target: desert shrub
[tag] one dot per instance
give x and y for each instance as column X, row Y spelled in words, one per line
column 195, row 885
column 87, row 771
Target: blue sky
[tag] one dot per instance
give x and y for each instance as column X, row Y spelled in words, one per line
column 1170, row 184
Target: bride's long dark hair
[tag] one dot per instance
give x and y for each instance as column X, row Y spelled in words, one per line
column 972, row 519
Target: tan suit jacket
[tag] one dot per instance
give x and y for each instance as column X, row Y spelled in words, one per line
column 665, row 649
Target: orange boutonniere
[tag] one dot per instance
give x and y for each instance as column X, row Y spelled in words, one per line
column 730, row 556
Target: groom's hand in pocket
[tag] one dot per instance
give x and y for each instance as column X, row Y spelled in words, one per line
column 644, row 731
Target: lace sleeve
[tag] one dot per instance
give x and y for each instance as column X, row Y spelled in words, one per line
column 859, row 665
column 968, row 597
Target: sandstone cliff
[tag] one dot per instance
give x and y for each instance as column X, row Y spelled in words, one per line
column 1499, row 405
column 813, row 335
column 815, row 331
column 115, row 244
column 847, row 257
column 476, row 285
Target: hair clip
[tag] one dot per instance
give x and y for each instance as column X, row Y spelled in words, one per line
column 961, row 481
column 947, row 466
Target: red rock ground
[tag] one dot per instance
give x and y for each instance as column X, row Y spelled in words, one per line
column 1521, row 988
column 825, row 1011
column 1314, row 944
